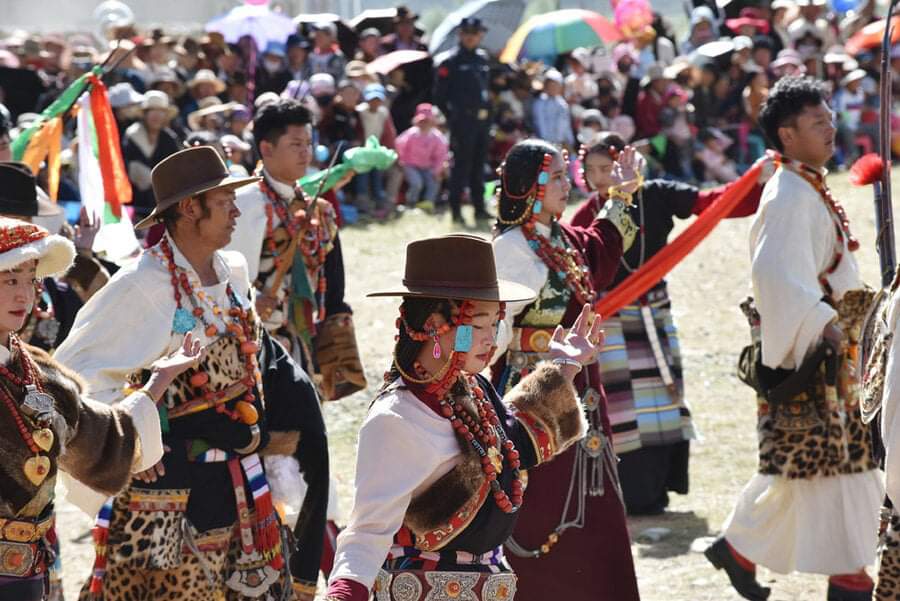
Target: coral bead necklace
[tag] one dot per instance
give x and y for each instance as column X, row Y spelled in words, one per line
column 313, row 237
column 482, row 429
column 238, row 325
column 567, row 263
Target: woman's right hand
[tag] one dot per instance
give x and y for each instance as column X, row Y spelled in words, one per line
column 580, row 344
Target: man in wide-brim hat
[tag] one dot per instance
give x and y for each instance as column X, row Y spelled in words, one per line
column 206, row 107
column 145, row 143
column 440, row 454
column 203, row 85
column 218, row 426
column 404, row 35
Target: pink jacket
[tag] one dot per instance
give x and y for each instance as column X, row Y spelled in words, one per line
column 426, row 151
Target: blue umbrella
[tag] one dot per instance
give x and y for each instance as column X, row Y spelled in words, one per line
column 501, row 17
column 254, row 20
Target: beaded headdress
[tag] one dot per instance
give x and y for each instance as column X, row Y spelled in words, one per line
column 533, row 196
column 21, row 242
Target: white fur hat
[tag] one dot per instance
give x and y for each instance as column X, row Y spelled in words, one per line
column 21, row 241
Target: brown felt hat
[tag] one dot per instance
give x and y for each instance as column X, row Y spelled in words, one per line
column 188, row 173
column 456, row 266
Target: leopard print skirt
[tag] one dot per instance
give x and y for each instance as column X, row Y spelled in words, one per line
column 820, row 431
column 888, row 586
column 154, row 553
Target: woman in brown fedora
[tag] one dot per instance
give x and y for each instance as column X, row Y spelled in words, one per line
column 570, row 544
column 441, row 460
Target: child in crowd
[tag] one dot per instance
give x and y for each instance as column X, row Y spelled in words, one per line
column 717, row 167
column 376, row 121
column 422, row 151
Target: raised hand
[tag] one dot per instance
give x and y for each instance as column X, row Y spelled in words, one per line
column 165, row 369
column 626, row 172
column 86, row 230
column 581, row 342
column 188, row 355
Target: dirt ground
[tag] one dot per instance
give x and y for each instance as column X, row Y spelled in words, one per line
column 706, row 290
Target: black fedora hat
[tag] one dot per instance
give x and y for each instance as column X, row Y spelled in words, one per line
column 19, row 194
column 456, row 266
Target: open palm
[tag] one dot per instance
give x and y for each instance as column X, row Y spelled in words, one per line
column 187, row 355
column 581, row 342
column 627, row 169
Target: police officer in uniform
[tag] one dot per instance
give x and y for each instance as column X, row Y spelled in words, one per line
column 461, row 92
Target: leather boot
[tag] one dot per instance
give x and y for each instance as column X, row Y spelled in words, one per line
column 743, row 580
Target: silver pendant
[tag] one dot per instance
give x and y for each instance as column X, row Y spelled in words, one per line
column 37, row 405
column 593, row 443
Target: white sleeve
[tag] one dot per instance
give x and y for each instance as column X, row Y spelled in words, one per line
column 392, row 460
column 787, row 238
column 890, row 416
column 250, row 231
column 145, row 417
column 516, row 263
column 121, row 329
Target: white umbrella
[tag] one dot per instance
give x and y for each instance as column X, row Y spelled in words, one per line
column 501, row 17
column 255, row 20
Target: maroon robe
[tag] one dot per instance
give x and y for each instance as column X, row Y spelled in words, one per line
column 592, row 563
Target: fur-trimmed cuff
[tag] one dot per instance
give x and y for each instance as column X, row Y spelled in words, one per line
column 547, row 406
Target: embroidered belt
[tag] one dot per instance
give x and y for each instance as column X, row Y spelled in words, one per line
column 440, row 585
column 21, row 560
column 435, row 539
column 531, row 340
column 22, row 553
column 23, row 531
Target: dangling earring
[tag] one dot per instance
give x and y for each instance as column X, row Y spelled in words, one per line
column 436, row 351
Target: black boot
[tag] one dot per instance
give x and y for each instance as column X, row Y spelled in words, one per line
column 743, row 581
column 837, row 593
column 456, row 217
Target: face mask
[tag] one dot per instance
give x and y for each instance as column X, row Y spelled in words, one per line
column 272, row 66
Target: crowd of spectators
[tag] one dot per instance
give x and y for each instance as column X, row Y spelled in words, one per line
column 689, row 103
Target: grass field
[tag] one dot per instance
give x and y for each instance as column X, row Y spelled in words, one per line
column 706, row 290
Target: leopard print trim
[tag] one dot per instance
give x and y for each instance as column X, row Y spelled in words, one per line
column 820, row 432
column 888, row 586
column 159, row 555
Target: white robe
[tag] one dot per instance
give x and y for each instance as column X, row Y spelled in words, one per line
column 890, row 416
column 247, row 239
column 127, row 326
column 825, row 525
column 404, row 448
column 516, row 262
